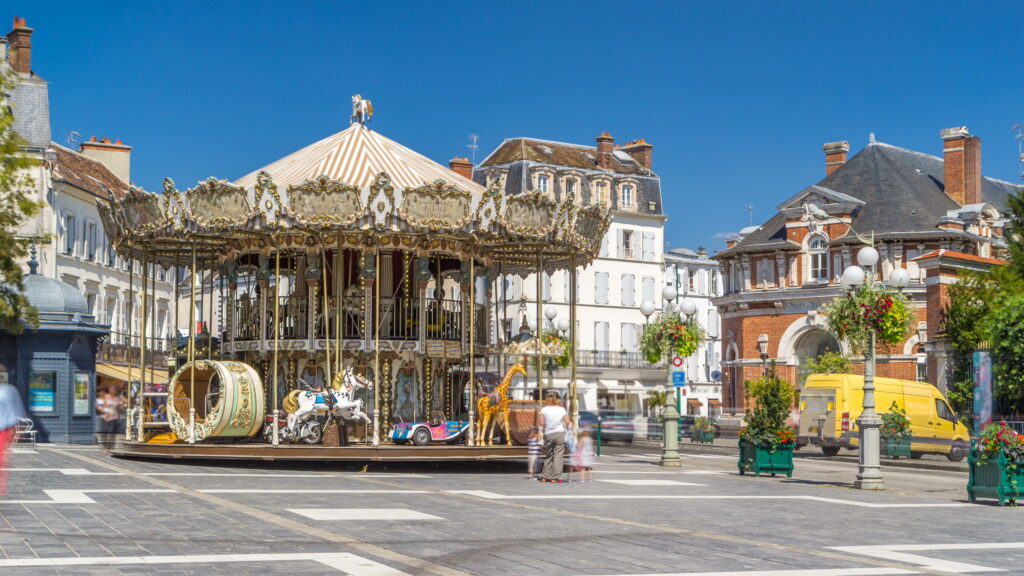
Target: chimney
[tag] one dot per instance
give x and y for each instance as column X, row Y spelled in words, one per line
column 702, row 252
column 461, row 166
column 835, row 155
column 114, row 155
column 605, row 146
column 20, row 51
column 962, row 165
column 640, row 150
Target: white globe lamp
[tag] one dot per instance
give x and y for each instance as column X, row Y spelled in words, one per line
column 867, row 256
column 669, row 293
column 563, row 325
column 647, row 308
column 550, row 313
column 688, row 307
column 853, row 276
column 899, row 277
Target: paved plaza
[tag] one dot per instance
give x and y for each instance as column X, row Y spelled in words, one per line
column 74, row 511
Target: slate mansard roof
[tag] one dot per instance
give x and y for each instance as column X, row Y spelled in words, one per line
column 519, row 155
column 903, row 192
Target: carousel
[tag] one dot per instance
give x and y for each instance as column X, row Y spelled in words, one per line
column 345, row 287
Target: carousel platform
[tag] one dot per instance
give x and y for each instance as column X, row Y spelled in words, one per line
column 297, row 452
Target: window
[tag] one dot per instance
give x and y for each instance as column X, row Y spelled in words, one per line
column 648, row 289
column 90, row 303
column 601, row 336
column 691, row 281
column 627, row 244
column 90, row 239
column 570, row 189
column 627, row 195
column 942, row 409
column 69, row 234
column 601, row 288
column 601, row 195
column 629, row 337
column 817, row 250
column 604, row 245
column 628, row 290
column 542, row 183
column 545, row 286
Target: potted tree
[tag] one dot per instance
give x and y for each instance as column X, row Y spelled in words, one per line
column 997, row 465
column 703, row 430
column 895, row 432
column 766, row 442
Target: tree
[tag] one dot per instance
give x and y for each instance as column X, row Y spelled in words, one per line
column 773, row 397
column 16, row 187
column 657, row 400
column 828, row 363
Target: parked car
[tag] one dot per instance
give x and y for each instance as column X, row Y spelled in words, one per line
column 615, row 426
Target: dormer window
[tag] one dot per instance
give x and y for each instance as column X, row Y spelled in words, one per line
column 570, row 189
column 601, row 192
column 627, row 195
column 542, row 183
column 817, row 254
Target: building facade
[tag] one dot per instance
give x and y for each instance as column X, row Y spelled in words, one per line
column 910, row 204
column 612, row 374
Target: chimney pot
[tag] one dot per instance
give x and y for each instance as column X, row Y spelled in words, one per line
column 961, row 165
column 20, row 50
column 461, row 166
column 835, row 155
column 640, row 150
column 605, row 147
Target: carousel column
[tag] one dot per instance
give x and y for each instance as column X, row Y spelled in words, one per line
column 277, row 337
column 311, row 272
column 326, row 315
column 472, row 347
column 131, row 337
column 540, row 327
column 339, row 298
column 574, row 401
column 231, row 267
column 376, row 348
column 192, row 350
column 129, row 421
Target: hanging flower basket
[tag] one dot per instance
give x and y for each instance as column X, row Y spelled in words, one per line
column 669, row 335
column 552, row 341
column 870, row 309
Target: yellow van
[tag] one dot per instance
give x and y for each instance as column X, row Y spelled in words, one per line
column 831, row 403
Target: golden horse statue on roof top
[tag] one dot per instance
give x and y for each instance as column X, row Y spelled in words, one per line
column 362, row 110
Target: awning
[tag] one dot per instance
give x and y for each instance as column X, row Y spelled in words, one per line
column 714, row 403
column 115, row 372
column 694, row 402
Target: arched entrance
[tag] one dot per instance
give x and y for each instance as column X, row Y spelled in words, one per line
column 812, row 344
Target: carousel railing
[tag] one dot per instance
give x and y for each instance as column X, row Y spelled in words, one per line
column 247, row 318
column 444, row 320
column 400, row 319
column 291, row 318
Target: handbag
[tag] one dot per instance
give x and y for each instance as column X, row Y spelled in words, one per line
column 570, row 441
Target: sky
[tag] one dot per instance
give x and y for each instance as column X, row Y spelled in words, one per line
column 736, row 97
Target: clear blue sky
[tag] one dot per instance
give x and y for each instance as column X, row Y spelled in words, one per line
column 737, row 97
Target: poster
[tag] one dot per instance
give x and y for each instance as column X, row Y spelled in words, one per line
column 982, row 391
column 81, row 405
column 41, row 389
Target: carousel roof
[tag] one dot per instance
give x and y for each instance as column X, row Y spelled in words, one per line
column 355, row 156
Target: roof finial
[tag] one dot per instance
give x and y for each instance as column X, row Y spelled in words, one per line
column 362, row 111
column 871, row 138
column 32, row 263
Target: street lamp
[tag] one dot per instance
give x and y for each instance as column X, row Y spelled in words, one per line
column 647, row 308
column 869, row 471
column 550, row 313
column 762, row 346
column 563, row 327
column 670, row 416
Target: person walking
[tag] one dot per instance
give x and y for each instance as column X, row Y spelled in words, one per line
column 11, row 412
column 556, row 422
column 108, row 407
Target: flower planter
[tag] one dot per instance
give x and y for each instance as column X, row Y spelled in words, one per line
column 998, row 478
column 702, row 436
column 896, row 447
column 772, row 460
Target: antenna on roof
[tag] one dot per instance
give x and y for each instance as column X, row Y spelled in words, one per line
column 750, row 213
column 1019, row 129
column 72, row 138
column 473, row 139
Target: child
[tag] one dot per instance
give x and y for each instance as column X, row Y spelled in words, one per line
column 533, row 448
column 583, row 457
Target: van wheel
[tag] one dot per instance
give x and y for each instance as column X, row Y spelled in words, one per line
column 916, row 455
column 957, row 452
column 830, row 450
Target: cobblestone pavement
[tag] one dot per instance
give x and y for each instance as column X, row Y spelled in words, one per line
column 73, row 511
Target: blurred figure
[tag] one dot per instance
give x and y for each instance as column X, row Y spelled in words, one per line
column 556, row 422
column 533, row 446
column 11, row 412
column 109, row 406
column 583, row 457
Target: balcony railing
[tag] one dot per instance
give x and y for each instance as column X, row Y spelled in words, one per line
column 607, row 359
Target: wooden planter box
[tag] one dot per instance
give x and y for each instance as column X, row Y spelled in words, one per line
column 759, row 459
column 998, row 478
column 704, row 437
column 896, row 447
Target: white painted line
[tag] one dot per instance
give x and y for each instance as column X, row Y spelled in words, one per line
column 496, row 496
column 254, row 475
column 343, row 562
column 648, row 482
column 807, row 572
column 362, row 514
column 79, row 496
column 898, row 553
column 23, row 451
column 293, row 491
column 65, row 471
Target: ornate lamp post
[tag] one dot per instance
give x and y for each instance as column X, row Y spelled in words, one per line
column 670, row 416
column 869, row 472
column 550, row 313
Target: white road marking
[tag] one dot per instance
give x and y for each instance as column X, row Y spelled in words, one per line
column 79, row 496
column 23, row 451
column 343, row 562
column 84, row 472
column 65, row 471
column 898, row 553
column 654, row 482
column 797, row 572
column 293, row 491
column 496, row 496
column 362, row 514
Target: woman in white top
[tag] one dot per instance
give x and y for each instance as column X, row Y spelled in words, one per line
column 556, row 422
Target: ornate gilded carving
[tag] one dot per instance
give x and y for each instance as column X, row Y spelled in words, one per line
column 268, row 201
column 324, row 202
column 530, row 214
column 141, row 211
column 382, row 200
column 487, row 209
column 218, row 203
column 436, row 207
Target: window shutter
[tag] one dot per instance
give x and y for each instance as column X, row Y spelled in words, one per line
column 546, row 287
column 648, row 289
column 628, row 290
column 622, row 248
column 648, row 246
column 604, row 246
column 601, row 288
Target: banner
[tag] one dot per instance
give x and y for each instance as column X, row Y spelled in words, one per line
column 982, row 391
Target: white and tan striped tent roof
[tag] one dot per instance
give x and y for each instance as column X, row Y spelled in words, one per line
column 354, row 156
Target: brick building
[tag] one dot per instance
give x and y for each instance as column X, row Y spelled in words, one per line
column 933, row 216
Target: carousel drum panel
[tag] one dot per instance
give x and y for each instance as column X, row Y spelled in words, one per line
column 522, row 417
column 228, row 400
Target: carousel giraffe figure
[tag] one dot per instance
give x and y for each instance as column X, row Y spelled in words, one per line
column 490, row 404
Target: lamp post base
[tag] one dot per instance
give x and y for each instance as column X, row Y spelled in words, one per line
column 670, row 446
column 869, row 483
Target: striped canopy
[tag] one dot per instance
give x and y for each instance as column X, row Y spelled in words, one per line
column 354, row 156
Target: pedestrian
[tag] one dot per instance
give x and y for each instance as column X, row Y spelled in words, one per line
column 583, row 457
column 556, row 422
column 108, row 407
column 11, row 413
column 533, row 446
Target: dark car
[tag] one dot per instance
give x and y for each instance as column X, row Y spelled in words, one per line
column 615, row 427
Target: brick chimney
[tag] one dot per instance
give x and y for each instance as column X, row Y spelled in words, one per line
column 114, row 155
column 835, row 155
column 605, row 150
column 20, row 51
column 962, row 162
column 461, row 166
column 640, row 150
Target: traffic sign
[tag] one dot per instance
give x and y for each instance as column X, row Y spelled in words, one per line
column 679, row 379
column 677, row 361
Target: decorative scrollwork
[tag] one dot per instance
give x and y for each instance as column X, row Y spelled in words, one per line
column 488, row 208
column 530, row 215
column 435, row 207
column 382, row 200
column 141, row 211
column 324, row 202
column 268, row 201
column 218, row 203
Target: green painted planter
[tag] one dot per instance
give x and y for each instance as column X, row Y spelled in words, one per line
column 897, row 447
column 759, row 459
column 998, row 478
column 703, row 437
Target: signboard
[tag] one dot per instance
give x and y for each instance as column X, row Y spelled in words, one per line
column 81, row 404
column 679, row 379
column 677, row 361
column 434, row 348
column 452, row 350
column 41, row 391
column 436, row 208
column 982, row 391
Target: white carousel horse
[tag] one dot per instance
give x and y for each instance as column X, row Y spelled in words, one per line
column 345, row 406
column 362, row 110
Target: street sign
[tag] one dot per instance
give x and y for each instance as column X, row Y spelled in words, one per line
column 677, row 361
column 679, row 379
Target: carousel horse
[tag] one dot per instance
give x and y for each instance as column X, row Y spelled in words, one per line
column 489, row 404
column 362, row 110
column 342, row 390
